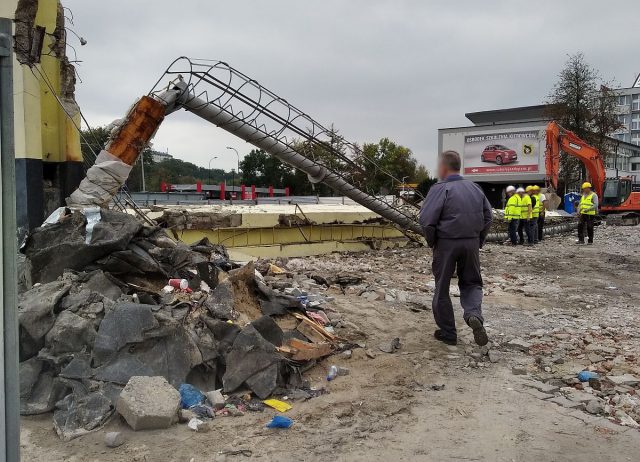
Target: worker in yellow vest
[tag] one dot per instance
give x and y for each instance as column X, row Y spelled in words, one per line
column 535, row 213
column 542, row 210
column 587, row 210
column 525, row 217
column 512, row 214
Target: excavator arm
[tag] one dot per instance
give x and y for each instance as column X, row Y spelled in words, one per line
column 562, row 140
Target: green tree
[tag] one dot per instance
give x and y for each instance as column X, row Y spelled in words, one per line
column 387, row 158
column 92, row 142
column 583, row 103
column 262, row 169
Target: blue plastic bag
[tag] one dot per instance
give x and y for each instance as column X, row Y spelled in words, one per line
column 584, row 376
column 280, row 421
column 190, row 396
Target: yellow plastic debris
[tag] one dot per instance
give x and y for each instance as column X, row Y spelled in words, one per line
column 273, row 269
column 278, row 405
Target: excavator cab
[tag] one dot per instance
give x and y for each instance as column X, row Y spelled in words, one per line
column 616, row 191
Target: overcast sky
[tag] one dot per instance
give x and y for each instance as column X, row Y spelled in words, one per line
column 374, row 68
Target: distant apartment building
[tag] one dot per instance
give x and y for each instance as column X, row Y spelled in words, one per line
column 629, row 113
column 160, row 156
column 627, row 157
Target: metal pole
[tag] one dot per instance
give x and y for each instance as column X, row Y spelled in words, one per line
column 144, row 185
column 238, row 156
column 316, row 172
column 9, row 381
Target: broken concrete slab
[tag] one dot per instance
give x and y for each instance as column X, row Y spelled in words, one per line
column 126, row 323
column 566, row 403
column 53, row 248
column 625, row 379
column 78, row 414
column 519, row 344
column 220, row 302
column 148, row 403
column 541, row 386
column 70, row 333
column 36, row 307
column 252, row 359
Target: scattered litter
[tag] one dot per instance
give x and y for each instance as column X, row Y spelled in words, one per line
column 181, row 284
column 280, row 421
column 585, row 376
column 198, row 425
column 278, row 405
column 190, row 396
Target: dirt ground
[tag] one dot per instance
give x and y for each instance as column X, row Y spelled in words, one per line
column 558, row 297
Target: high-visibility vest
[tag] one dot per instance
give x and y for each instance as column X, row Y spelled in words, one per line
column 535, row 213
column 512, row 209
column 525, row 203
column 586, row 203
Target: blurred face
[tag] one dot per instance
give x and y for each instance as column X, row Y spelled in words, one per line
column 443, row 171
column 586, row 191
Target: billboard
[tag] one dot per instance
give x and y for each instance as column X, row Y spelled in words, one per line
column 506, row 153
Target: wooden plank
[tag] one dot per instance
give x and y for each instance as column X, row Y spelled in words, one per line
column 308, row 331
column 309, row 324
column 318, row 351
column 317, row 327
column 287, row 350
column 300, row 345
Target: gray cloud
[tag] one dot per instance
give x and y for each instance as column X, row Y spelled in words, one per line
column 400, row 69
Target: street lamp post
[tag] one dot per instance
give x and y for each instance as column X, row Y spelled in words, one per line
column 237, row 155
column 209, row 172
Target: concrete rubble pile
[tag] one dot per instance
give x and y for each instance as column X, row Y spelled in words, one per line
column 96, row 314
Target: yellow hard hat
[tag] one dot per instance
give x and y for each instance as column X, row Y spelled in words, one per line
column 528, row 188
column 586, row 184
column 535, row 187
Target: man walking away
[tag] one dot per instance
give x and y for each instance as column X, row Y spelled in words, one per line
column 588, row 208
column 525, row 215
column 542, row 210
column 533, row 222
column 456, row 217
column 512, row 214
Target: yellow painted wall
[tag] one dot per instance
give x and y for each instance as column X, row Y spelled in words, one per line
column 42, row 128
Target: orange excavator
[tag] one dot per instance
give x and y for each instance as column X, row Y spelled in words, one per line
column 617, row 195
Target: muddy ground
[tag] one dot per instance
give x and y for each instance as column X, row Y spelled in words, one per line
column 544, row 307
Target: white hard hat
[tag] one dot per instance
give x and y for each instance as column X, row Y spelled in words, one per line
column 519, row 190
column 511, row 188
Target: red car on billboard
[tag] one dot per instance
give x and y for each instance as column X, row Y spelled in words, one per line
column 499, row 154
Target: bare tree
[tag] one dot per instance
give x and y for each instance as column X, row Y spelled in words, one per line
column 581, row 102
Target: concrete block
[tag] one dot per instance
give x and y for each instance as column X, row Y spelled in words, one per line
column 148, row 403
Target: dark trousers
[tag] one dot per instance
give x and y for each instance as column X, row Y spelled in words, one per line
column 513, row 231
column 541, row 227
column 524, row 226
column 462, row 256
column 585, row 221
column 533, row 224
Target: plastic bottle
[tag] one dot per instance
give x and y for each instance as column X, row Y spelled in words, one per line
column 332, row 374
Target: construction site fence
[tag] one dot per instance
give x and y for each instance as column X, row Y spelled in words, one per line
column 148, row 199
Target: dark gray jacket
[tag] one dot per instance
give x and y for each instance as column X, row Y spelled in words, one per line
column 455, row 209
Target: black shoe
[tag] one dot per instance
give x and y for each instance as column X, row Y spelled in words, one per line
column 479, row 334
column 439, row 335
column 590, row 243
